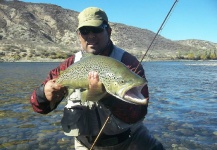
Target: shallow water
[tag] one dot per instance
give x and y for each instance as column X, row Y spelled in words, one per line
column 182, row 110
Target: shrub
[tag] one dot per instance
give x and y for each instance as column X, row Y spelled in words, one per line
column 2, row 53
column 59, row 55
column 213, row 55
column 191, row 56
column 16, row 57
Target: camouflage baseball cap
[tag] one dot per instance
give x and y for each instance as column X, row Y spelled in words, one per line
column 91, row 16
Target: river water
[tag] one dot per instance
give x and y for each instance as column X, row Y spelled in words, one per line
column 182, row 111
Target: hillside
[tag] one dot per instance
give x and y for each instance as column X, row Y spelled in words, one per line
column 45, row 32
column 199, row 44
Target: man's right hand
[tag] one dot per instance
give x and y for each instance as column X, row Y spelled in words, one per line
column 54, row 91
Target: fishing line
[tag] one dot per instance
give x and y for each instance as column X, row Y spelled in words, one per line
column 154, row 43
column 161, row 27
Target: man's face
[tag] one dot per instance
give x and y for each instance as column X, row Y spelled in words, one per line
column 93, row 39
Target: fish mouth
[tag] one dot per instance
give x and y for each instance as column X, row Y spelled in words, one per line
column 134, row 96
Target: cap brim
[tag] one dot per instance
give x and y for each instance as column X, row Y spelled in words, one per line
column 91, row 23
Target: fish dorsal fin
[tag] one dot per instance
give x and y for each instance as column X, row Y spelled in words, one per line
column 85, row 55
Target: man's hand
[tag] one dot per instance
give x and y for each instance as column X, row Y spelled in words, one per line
column 96, row 89
column 54, row 91
column 93, row 79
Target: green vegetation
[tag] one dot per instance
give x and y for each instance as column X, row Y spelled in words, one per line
column 198, row 55
column 16, row 53
column 48, row 54
column 16, row 57
column 59, row 55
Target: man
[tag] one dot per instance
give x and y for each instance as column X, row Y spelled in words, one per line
column 125, row 129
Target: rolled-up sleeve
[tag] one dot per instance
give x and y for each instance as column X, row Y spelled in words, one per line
column 38, row 100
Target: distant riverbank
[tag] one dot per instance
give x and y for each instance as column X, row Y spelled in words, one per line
column 39, row 59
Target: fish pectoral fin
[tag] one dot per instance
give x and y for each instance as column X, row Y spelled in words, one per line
column 69, row 92
column 94, row 96
column 96, row 93
column 84, row 95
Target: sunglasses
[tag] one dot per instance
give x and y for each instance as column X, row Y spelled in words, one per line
column 86, row 30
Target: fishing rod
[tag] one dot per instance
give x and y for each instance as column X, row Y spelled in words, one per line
column 92, row 146
column 157, row 33
column 100, row 132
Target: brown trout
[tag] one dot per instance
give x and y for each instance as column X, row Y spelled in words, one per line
column 118, row 80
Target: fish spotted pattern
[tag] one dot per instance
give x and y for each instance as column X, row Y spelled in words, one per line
column 118, row 80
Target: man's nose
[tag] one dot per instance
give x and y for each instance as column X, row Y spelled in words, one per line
column 91, row 35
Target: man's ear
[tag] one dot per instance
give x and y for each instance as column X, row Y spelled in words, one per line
column 109, row 30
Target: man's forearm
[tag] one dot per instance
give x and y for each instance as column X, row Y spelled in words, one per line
column 39, row 102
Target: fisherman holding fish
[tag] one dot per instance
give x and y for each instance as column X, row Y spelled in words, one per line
column 96, row 85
